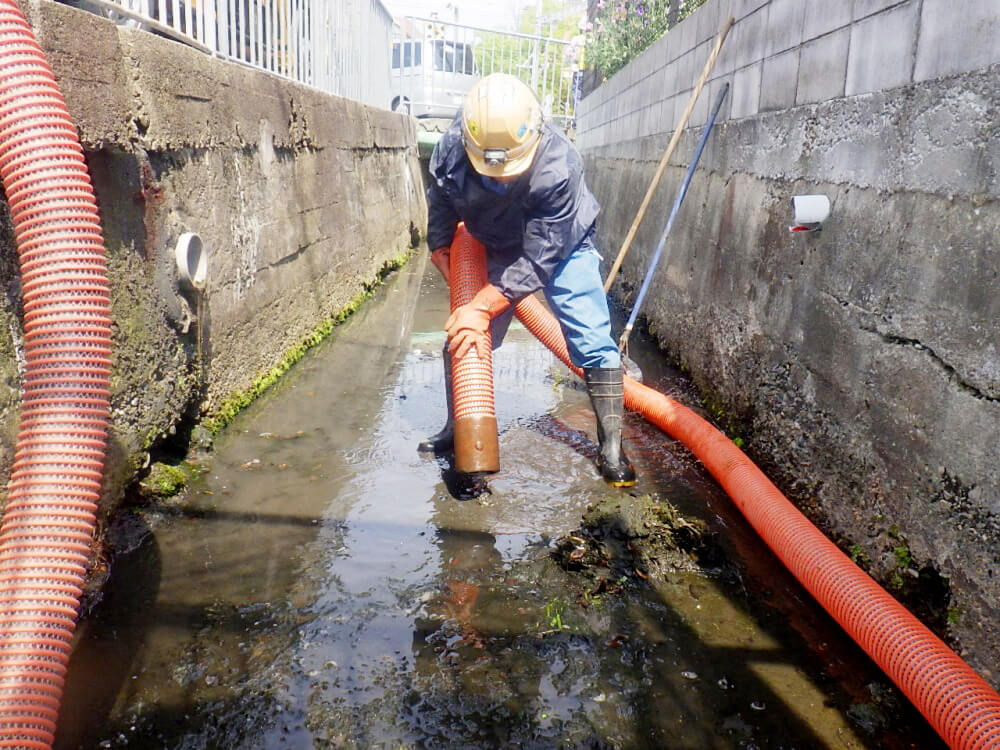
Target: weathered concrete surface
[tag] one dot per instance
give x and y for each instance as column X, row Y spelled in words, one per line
column 300, row 198
column 860, row 363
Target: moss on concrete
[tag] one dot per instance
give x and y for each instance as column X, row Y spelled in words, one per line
column 10, row 376
column 237, row 402
column 152, row 379
column 164, row 480
column 729, row 424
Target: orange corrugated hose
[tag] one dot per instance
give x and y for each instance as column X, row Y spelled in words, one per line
column 477, row 447
column 49, row 518
column 957, row 702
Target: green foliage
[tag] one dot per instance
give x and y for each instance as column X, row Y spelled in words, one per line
column 547, row 68
column 624, row 28
column 714, row 409
column 953, row 615
column 556, row 22
column 903, row 557
column 858, row 556
column 559, row 381
column 723, row 420
column 542, row 67
column 553, row 613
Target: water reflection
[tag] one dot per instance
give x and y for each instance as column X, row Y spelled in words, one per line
column 323, row 585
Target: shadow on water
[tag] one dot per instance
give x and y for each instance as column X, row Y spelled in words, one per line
column 323, row 585
column 108, row 641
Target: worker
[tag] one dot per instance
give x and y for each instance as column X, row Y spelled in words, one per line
column 517, row 183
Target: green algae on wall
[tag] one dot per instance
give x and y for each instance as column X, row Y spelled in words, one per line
column 237, row 402
column 164, row 480
column 152, row 376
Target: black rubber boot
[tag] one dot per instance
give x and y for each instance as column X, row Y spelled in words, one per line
column 604, row 384
column 445, row 439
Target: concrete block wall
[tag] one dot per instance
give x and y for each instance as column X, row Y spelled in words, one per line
column 783, row 53
column 860, row 364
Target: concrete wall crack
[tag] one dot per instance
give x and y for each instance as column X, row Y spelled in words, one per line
column 898, row 340
column 949, row 370
column 294, row 255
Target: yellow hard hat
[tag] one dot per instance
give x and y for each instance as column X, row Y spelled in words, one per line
column 501, row 125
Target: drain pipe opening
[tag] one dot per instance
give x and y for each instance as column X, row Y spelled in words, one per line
column 192, row 261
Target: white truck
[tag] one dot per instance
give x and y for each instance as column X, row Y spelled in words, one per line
column 430, row 76
column 435, row 63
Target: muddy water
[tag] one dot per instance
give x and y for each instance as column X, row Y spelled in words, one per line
column 323, row 585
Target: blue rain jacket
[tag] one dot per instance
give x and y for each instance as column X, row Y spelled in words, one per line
column 528, row 226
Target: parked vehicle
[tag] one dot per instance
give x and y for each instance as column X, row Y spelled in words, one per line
column 431, row 75
column 435, row 62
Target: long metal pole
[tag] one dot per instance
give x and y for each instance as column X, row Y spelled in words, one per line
column 627, row 243
column 534, row 53
column 623, row 342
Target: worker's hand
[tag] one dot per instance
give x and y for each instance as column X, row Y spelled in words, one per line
column 468, row 324
column 470, row 316
column 467, row 339
column 466, row 327
column 442, row 259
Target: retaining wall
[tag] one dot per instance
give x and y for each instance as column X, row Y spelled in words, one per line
column 861, row 363
column 300, row 198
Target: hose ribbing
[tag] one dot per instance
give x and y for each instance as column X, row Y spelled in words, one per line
column 477, row 447
column 48, row 521
column 957, row 702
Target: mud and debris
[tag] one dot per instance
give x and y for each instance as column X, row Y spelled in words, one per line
column 640, row 535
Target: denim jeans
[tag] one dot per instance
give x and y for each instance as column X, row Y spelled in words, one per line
column 575, row 294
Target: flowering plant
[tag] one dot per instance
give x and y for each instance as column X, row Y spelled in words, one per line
column 624, row 28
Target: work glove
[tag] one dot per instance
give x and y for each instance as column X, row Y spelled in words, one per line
column 468, row 324
column 442, row 259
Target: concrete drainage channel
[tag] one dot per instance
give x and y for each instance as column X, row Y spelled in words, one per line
column 973, row 726
column 350, row 595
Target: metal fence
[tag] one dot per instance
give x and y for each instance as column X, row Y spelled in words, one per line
column 339, row 46
column 353, row 48
column 434, row 63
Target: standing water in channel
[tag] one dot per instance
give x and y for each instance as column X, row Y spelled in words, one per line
column 321, row 584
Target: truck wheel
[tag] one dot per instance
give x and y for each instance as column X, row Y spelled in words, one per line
column 400, row 104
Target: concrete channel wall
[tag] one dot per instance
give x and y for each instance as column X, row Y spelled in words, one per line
column 861, row 363
column 300, row 198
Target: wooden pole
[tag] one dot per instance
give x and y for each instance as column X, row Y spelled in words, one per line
column 667, row 154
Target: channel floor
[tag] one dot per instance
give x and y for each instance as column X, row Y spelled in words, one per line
column 320, row 584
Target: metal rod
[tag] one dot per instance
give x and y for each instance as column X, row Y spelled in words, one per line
column 271, row 39
column 623, row 342
column 256, row 27
column 207, row 24
column 242, row 34
column 627, row 243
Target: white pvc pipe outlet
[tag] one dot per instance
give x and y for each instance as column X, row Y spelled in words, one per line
column 192, row 261
column 809, row 212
